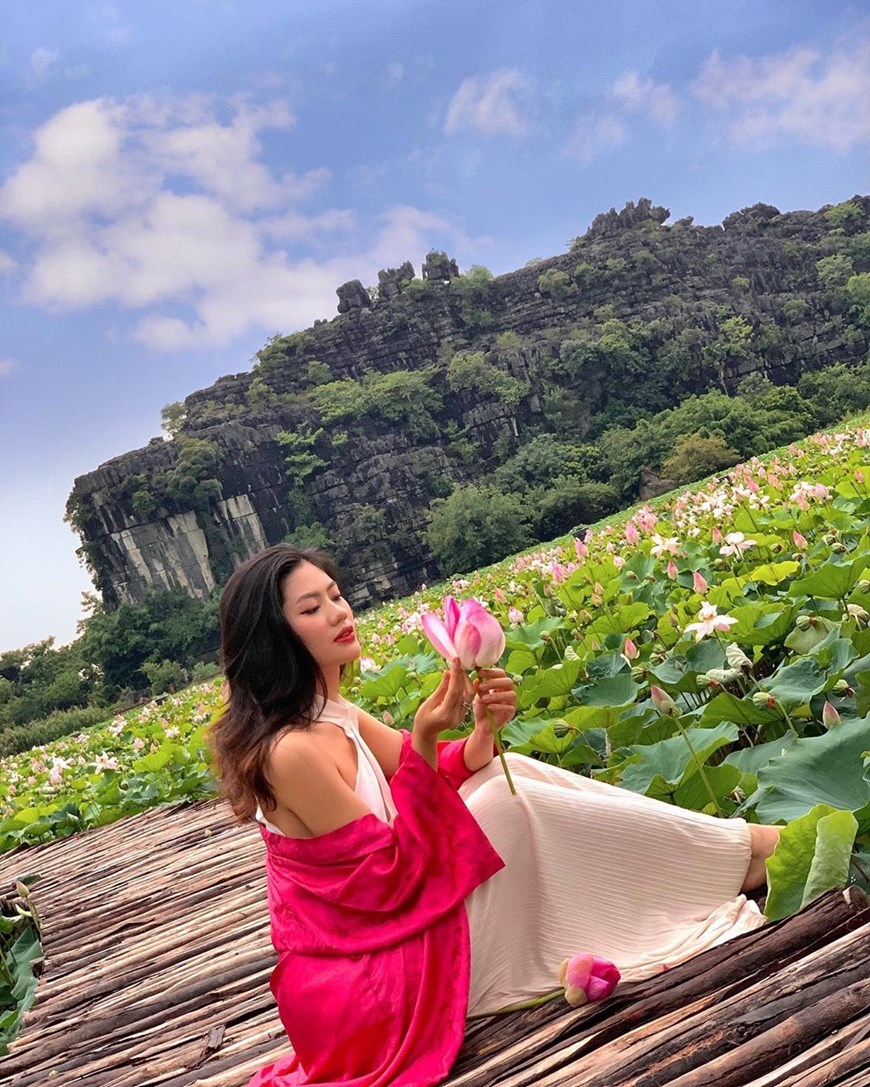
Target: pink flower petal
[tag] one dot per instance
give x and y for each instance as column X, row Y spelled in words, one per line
column 451, row 615
column 438, row 635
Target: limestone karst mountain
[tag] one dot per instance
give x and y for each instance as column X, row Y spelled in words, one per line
column 348, row 430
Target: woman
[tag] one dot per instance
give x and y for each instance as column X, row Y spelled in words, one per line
column 407, row 887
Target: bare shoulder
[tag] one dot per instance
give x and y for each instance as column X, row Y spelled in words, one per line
column 299, row 752
column 308, row 785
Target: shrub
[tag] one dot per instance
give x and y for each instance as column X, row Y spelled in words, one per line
column 54, row 727
column 475, row 526
column 695, row 456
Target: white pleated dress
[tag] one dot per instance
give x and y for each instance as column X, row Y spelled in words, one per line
column 589, row 867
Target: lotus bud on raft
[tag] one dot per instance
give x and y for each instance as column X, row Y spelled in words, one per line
column 587, row 979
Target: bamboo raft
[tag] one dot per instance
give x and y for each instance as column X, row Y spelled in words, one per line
column 157, row 961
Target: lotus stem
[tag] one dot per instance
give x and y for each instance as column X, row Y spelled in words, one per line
column 499, row 746
column 700, row 767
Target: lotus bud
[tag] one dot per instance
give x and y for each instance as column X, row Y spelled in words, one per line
column 737, row 658
column 664, row 703
column 830, row 717
column 699, row 585
column 587, row 979
column 804, row 622
column 630, row 650
column 800, row 541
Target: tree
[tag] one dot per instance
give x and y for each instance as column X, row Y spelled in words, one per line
column 568, row 502
column 858, row 292
column 173, row 416
column 543, row 459
column 833, row 271
column 475, row 526
column 695, row 456
column 166, row 626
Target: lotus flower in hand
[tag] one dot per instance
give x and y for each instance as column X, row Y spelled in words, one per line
column 587, row 979
column 467, row 631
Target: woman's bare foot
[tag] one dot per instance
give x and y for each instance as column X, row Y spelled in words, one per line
column 763, row 839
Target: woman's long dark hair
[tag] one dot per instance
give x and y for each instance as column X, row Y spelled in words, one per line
column 274, row 683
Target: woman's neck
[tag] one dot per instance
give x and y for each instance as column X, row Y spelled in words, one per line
column 332, row 676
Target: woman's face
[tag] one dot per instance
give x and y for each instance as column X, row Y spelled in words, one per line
column 320, row 616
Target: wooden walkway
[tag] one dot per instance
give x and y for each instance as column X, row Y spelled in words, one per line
column 157, row 960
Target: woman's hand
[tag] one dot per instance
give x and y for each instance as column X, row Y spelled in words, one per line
column 443, row 709
column 493, row 690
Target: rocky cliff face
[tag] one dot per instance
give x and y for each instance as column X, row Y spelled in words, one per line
column 345, row 432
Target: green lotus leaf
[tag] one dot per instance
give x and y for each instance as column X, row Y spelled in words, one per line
column 832, row 580
column 812, row 856
column 826, row 769
column 795, row 684
column 670, row 759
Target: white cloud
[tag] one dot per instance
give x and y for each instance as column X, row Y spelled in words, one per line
column 164, row 209
column 108, row 20
column 7, row 366
column 595, row 134
column 293, row 226
column 803, row 94
column 601, row 130
column 394, row 74
column 41, row 59
column 635, row 95
column 7, row 264
column 487, row 106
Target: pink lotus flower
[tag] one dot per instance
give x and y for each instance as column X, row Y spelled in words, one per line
column 631, row 533
column 580, row 549
column 800, row 541
column 662, row 546
column 630, row 650
column 672, row 570
column 587, row 979
column 699, row 584
column 709, row 620
column 515, row 615
column 735, row 544
column 467, row 631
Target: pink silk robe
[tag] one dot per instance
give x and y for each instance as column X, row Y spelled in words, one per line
column 370, row 925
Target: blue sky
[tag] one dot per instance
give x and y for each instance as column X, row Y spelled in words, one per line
column 179, row 181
